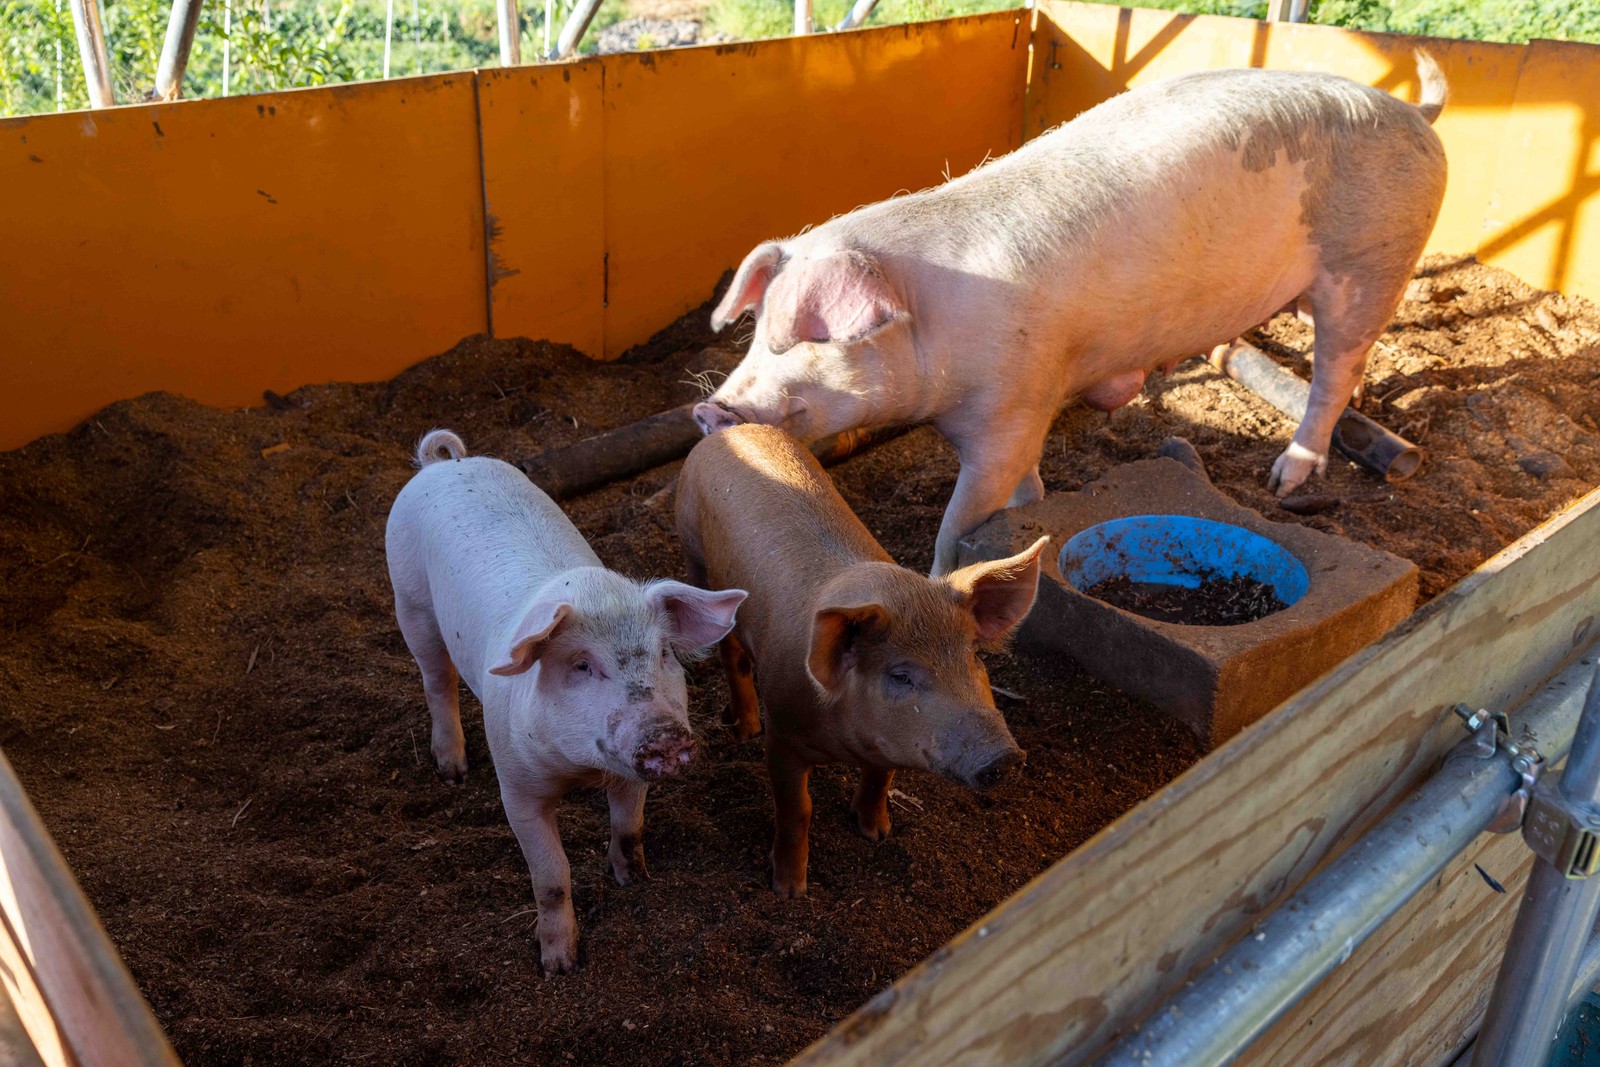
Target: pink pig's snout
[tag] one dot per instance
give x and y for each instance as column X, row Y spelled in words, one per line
column 713, row 416
column 663, row 751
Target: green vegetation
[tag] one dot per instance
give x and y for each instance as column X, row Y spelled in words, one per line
column 276, row 44
column 1481, row 20
column 271, row 44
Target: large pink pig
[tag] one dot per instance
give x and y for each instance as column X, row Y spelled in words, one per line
column 1165, row 221
column 576, row 666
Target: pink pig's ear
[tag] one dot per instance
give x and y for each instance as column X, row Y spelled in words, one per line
column 834, row 634
column 531, row 635
column 699, row 617
column 749, row 283
column 1000, row 593
column 838, row 299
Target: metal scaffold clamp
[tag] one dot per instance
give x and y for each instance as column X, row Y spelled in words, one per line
column 1491, row 734
column 1563, row 832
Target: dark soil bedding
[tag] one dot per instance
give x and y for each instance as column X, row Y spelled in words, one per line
column 1214, row 602
column 207, row 698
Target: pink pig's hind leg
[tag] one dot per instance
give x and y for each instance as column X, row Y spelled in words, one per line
column 439, row 682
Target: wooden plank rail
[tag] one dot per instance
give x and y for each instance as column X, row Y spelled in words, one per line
column 1103, row 937
column 71, row 992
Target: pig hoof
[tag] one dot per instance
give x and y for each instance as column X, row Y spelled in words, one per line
column 743, row 728
column 627, row 865
column 559, row 958
column 453, row 772
column 873, row 829
column 1292, row 469
column 788, row 889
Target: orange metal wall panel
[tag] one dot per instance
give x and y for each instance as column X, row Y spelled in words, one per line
column 711, row 150
column 544, row 191
column 1088, row 52
column 219, row 247
column 1543, row 216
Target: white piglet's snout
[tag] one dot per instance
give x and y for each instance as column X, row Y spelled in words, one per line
column 576, row 666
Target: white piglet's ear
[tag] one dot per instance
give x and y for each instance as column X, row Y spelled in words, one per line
column 749, row 283
column 838, row 299
column 699, row 617
column 531, row 635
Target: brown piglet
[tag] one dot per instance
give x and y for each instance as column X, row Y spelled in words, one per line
column 855, row 659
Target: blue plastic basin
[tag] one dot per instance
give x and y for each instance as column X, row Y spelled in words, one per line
column 1179, row 550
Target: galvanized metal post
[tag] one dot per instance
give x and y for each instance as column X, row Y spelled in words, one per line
column 388, row 35
column 858, row 14
column 1287, row 10
column 90, row 22
column 58, row 61
column 802, row 17
column 227, row 43
column 1558, row 910
column 510, row 33
column 175, row 49
column 577, row 24
column 549, row 14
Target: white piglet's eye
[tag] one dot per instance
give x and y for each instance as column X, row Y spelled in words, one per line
column 582, row 667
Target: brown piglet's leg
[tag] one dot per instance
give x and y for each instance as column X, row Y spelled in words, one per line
column 791, row 794
column 744, row 710
column 871, row 804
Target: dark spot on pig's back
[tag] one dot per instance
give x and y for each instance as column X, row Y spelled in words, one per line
column 1261, row 148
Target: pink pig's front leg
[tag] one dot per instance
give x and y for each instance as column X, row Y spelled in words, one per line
column 533, row 818
column 995, row 469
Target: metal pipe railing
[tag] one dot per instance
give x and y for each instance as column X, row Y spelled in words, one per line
column 1235, row 1000
column 573, row 30
column 802, row 17
column 1558, row 910
column 510, row 32
column 89, row 20
column 858, row 14
column 175, row 48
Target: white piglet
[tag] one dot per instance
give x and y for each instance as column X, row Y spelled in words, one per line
column 576, row 666
column 1163, row 222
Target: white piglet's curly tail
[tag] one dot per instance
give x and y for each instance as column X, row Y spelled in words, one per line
column 437, row 446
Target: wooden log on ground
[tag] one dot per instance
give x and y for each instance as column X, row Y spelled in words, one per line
column 616, row 454
column 572, row 470
column 1374, row 447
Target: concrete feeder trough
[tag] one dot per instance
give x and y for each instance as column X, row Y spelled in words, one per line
column 1158, row 522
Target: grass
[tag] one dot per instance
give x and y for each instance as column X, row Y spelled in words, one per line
column 276, row 44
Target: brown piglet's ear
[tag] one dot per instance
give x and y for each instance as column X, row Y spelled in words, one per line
column 531, row 634
column 1000, row 593
column 833, row 639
